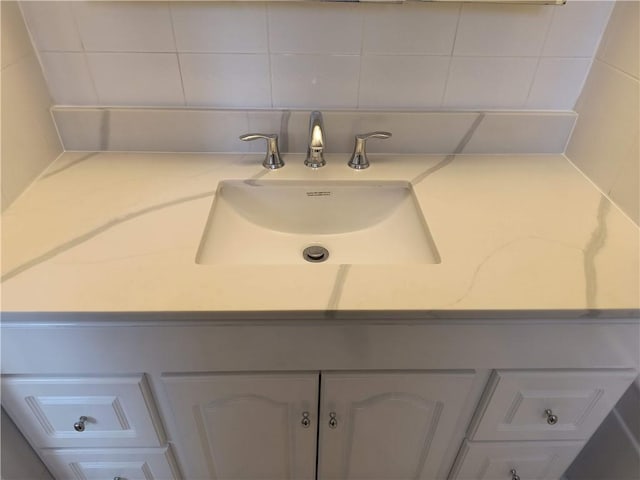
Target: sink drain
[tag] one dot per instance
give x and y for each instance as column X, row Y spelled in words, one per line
column 315, row 254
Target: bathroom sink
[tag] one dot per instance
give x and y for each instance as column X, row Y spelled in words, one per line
column 344, row 222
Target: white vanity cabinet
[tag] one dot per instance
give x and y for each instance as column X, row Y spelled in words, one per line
column 309, row 399
column 531, row 424
column 372, row 425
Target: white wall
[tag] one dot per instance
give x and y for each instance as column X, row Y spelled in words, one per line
column 613, row 453
column 604, row 144
column 320, row 55
column 29, row 138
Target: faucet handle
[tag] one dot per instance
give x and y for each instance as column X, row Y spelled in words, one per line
column 359, row 159
column 272, row 159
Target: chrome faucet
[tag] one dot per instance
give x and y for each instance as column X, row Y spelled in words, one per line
column 315, row 152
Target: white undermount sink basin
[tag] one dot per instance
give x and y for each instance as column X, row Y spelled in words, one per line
column 355, row 222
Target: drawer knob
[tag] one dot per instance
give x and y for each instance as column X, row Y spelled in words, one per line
column 514, row 474
column 551, row 418
column 333, row 421
column 79, row 425
column 305, row 420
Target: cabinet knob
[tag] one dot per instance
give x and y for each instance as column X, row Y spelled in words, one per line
column 306, row 421
column 79, row 425
column 118, row 478
column 551, row 418
column 333, row 421
column 514, row 474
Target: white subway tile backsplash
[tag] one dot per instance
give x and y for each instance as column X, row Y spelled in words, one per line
column 316, row 81
column 315, row 28
column 220, row 27
column 136, row 78
column 576, row 28
column 340, row 55
column 124, row 26
column 68, row 78
column 502, row 30
column 52, row 26
column 410, row 29
column 554, row 85
column 492, row 82
column 402, row 81
column 226, row 80
column 619, row 46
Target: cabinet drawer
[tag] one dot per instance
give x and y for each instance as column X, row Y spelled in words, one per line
column 117, row 411
column 547, row 405
column 527, row 460
column 108, row 463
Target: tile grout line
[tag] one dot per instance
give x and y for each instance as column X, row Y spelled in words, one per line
column 539, row 59
column 268, row 26
column 453, row 48
column 177, row 53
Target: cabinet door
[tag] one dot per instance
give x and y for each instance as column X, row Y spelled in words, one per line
column 383, row 426
column 245, row 426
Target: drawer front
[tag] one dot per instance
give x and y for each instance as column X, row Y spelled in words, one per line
column 504, row 461
column 112, row 463
column 83, row 412
column 547, row 405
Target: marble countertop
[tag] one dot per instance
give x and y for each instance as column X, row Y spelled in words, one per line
column 119, row 232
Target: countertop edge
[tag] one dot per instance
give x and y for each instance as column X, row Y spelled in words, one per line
column 326, row 317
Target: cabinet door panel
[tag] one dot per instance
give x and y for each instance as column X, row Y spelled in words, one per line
column 389, row 425
column 234, row 427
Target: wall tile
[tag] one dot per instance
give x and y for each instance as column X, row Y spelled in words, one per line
column 625, row 190
column 412, row 28
column 502, row 30
column 576, row 28
column 402, row 81
column 607, row 124
column 316, row 81
column 315, row 28
column 29, row 138
column 15, row 39
column 558, row 82
column 619, row 46
column 226, row 80
column 52, row 26
column 136, row 78
column 497, row 82
column 124, row 26
column 220, row 27
column 68, row 78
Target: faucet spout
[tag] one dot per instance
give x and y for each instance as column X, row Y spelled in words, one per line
column 315, row 151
